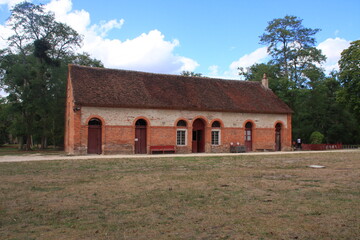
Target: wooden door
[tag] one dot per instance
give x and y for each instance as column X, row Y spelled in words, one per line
column 140, row 140
column 94, row 139
column 198, row 138
column 278, row 137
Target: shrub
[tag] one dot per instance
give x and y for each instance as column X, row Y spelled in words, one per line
column 316, row 138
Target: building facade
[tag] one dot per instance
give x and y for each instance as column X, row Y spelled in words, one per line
column 127, row 112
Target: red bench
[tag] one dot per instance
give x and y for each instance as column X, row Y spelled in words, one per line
column 162, row 149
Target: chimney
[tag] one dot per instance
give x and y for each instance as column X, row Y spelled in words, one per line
column 265, row 81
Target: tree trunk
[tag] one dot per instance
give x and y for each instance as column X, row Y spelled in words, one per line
column 43, row 142
column 28, row 143
column 21, row 142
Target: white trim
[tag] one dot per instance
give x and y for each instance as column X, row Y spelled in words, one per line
column 219, row 137
column 182, row 130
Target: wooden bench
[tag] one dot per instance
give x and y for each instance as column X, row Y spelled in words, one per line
column 162, row 149
column 237, row 149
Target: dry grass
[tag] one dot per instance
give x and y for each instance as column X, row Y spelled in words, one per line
column 13, row 149
column 245, row 197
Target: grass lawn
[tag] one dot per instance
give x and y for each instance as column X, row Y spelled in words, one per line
column 13, row 149
column 242, row 197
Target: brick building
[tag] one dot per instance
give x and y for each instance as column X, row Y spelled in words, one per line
column 116, row 111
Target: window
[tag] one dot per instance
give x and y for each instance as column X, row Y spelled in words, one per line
column 216, row 124
column 141, row 122
column 181, row 133
column 95, row 121
column 248, row 131
column 181, row 123
column 181, row 137
column 215, row 137
column 215, row 133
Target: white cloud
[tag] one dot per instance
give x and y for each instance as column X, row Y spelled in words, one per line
column 332, row 48
column 147, row 52
column 105, row 27
column 214, row 70
column 257, row 56
column 5, row 33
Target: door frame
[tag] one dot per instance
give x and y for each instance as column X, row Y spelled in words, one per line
column 198, row 135
column 140, row 140
column 94, row 145
column 248, row 136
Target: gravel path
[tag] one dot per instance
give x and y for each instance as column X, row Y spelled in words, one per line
column 42, row 157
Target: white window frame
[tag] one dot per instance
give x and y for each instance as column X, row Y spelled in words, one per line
column 185, row 137
column 218, row 135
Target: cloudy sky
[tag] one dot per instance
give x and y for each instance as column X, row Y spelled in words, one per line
column 212, row 37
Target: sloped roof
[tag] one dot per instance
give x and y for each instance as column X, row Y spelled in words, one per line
column 121, row 88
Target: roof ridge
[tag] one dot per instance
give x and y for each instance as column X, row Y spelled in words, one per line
column 163, row 74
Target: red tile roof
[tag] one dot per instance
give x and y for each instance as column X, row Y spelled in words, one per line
column 120, row 88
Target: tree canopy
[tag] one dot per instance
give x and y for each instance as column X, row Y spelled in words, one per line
column 33, row 72
column 328, row 104
column 292, row 47
column 350, row 77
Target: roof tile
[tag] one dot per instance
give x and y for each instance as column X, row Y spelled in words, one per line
column 121, row 88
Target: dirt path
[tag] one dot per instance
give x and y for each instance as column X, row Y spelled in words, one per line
column 43, row 157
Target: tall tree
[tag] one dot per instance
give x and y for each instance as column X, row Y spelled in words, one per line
column 295, row 76
column 350, row 77
column 34, row 72
column 292, row 47
column 34, row 27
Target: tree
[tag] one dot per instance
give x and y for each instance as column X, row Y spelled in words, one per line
column 190, row 74
column 349, row 64
column 316, row 138
column 295, row 76
column 32, row 26
column 4, row 122
column 33, row 72
column 292, row 47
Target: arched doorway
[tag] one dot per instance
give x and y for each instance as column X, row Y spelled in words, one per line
column 94, row 136
column 198, row 136
column 248, row 136
column 278, row 137
column 140, row 136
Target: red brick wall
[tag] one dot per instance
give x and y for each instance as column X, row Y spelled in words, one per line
column 119, row 139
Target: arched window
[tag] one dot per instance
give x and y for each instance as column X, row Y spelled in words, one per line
column 181, row 133
column 141, row 122
column 181, row 123
column 95, row 122
column 216, row 124
column 215, row 133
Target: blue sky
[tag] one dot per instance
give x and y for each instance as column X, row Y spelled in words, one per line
column 211, row 37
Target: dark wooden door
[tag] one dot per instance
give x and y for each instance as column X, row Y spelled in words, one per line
column 198, row 138
column 140, row 139
column 278, row 138
column 94, row 139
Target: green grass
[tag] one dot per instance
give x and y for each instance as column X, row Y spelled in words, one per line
column 13, row 149
column 242, row 197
